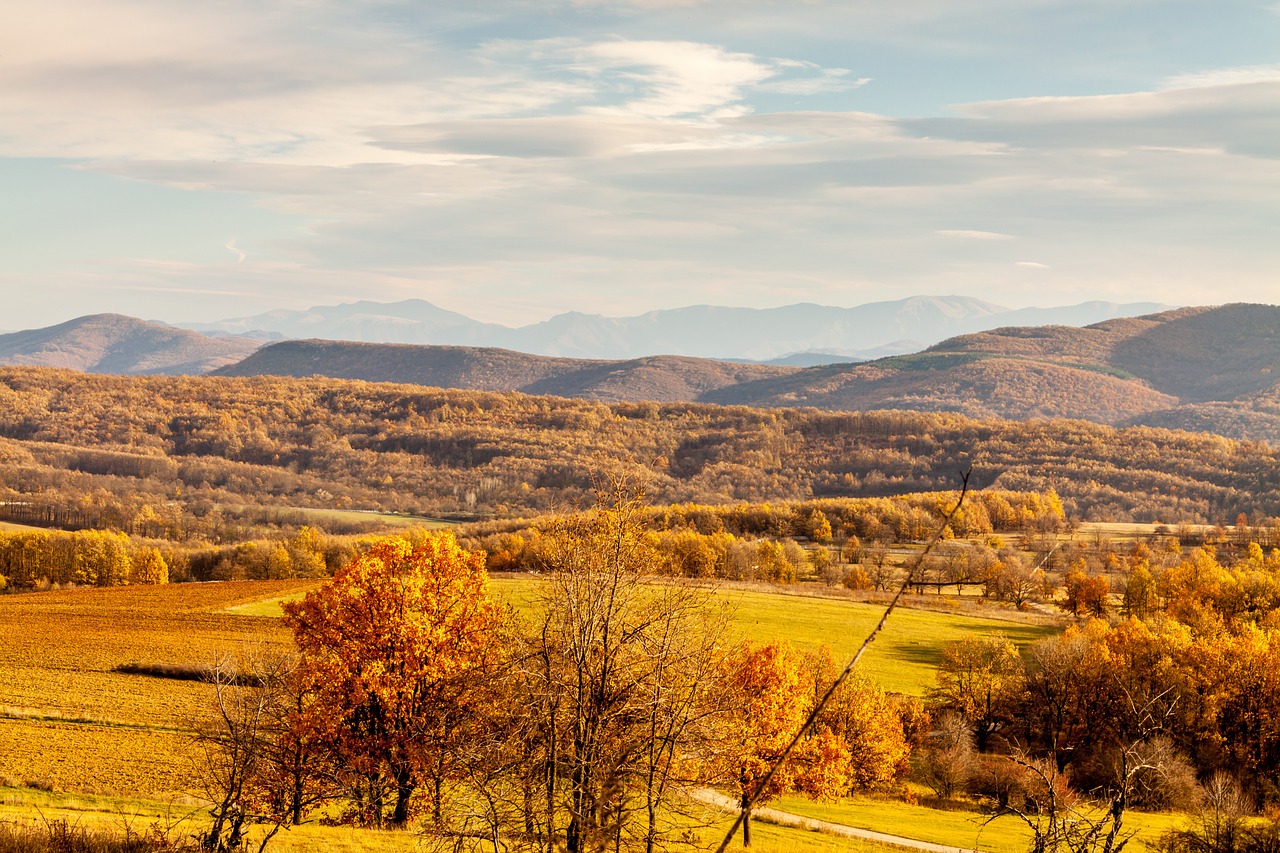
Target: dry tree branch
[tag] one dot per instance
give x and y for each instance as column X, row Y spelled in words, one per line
column 848, row 670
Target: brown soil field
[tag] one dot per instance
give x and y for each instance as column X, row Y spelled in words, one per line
column 68, row 718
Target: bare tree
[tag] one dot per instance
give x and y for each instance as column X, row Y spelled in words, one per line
column 236, row 741
column 1059, row 825
column 949, row 759
column 624, row 690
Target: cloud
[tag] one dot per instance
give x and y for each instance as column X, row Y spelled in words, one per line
column 1241, row 117
column 825, row 80
column 528, row 155
column 1224, row 77
column 675, row 78
column 1032, row 264
column 967, row 234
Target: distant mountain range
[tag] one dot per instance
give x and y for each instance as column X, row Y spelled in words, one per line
column 794, row 334
column 114, row 343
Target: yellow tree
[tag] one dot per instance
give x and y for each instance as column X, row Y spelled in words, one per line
column 979, row 678
column 149, row 566
column 392, row 649
column 774, row 693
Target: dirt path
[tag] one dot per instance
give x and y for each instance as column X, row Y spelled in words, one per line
column 796, row 821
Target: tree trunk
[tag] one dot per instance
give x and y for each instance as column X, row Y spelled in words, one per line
column 404, row 790
column 746, row 821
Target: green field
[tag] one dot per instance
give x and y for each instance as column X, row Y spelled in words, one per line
column 902, row 660
column 963, row 826
column 322, row 514
column 390, row 519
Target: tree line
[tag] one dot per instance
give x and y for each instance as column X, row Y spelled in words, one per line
column 740, row 541
column 1166, row 689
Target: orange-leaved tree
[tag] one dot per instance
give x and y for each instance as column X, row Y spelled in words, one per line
column 774, row 693
column 395, row 649
column 868, row 725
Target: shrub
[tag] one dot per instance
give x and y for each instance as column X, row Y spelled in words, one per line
column 949, row 759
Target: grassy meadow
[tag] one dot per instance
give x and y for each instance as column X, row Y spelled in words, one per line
column 70, row 722
column 180, row 817
column 959, row 826
column 902, row 660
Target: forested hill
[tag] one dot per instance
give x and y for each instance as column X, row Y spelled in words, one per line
column 662, row 378
column 1207, row 369
column 143, row 446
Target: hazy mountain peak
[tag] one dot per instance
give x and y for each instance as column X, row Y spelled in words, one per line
column 114, row 343
column 704, row 331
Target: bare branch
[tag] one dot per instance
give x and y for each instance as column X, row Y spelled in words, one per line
column 818, row 707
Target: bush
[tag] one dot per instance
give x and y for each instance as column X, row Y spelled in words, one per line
column 1003, row 781
column 949, row 759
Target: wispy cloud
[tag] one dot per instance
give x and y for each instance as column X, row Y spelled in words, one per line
column 967, row 234
column 1224, row 77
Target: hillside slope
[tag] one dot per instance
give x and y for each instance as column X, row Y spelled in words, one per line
column 331, row 444
column 1211, row 369
column 113, row 343
column 980, row 385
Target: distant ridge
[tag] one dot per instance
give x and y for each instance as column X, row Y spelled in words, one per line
column 789, row 332
column 1204, row 369
column 658, row 378
column 1210, row 369
column 1213, row 369
column 114, row 343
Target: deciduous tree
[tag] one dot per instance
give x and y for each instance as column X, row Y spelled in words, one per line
column 392, row 649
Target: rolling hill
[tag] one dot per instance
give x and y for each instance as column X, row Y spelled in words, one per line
column 1204, row 369
column 113, row 343
column 1207, row 369
column 659, row 378
column 979, row 385
column 1211, row 369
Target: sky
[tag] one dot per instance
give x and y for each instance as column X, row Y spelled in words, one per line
column 511, row 160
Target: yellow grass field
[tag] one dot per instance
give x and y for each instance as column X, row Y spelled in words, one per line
column 180, row 818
